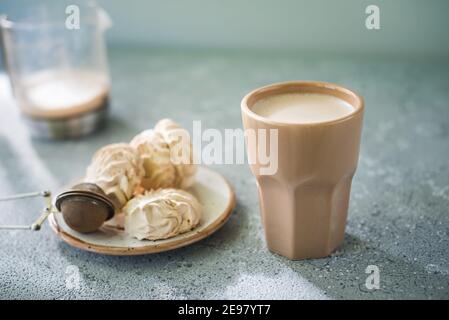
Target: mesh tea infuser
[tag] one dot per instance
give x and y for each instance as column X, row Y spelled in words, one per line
column 84, row 207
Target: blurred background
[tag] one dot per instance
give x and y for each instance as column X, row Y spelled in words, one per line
column 409, row 28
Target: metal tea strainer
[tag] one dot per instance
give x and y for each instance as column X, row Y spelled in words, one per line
column 84, row 207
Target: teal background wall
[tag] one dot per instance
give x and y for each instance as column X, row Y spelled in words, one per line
column 408, row 27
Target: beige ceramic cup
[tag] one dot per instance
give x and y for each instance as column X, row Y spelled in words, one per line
column 304, row 205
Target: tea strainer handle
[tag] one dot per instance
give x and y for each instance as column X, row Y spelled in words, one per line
column 48, row 209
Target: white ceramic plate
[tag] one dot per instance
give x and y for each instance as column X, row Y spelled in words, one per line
column 211, row 189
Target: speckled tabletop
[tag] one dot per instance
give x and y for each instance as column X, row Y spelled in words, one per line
column 399, row 211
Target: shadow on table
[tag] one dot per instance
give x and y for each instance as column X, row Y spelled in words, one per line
column 344, row 275
column 235, row 258
column 194, row 262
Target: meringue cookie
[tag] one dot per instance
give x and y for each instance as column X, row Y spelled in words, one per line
column 181, row 153
column 155, row 154
column 167, row 156
column 161, row 214
column 118, row 170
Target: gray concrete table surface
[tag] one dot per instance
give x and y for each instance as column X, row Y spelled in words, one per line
column 399, row 208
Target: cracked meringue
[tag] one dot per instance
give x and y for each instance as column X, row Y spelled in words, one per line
column 118, row 170
column 155, row 154
column 161, row 214
column 167, row 156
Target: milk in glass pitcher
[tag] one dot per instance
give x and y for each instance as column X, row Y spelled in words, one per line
column 56, row 59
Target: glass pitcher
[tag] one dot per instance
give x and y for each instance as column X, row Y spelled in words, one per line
column 56, row 59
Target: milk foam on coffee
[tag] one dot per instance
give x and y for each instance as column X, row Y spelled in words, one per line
column 302, row 107
column 64, row 89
